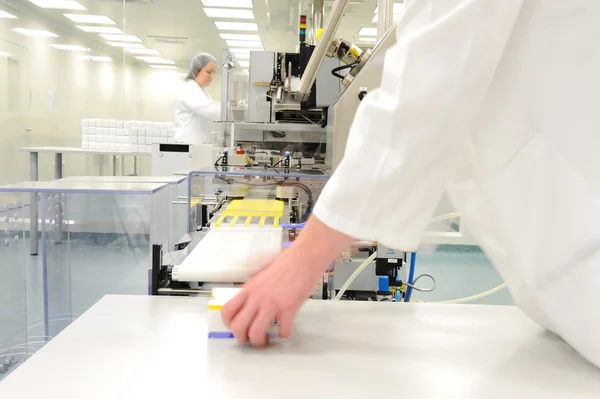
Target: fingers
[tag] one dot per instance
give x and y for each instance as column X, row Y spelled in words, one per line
column 260, row 325
column 232, row 308
column 286, row 324
column 242, row 321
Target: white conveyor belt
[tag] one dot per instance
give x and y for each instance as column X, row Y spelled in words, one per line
column 230, row 254
column 129, row 347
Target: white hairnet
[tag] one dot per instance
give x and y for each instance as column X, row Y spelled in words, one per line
column 199, row 62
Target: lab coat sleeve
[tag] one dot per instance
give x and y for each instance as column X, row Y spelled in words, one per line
column 409, row 135
column 202, row 105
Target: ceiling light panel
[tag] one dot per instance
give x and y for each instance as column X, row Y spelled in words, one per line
column 156, row 60
column 59, row 4
column 240, row 50
column 163, row 67
column 35, row 32
column 94, row 59
column 143, row 51
column 121, row 38
column 397, row 8
column 3, row 54
column 90, row 19
column 228, row 13
column 228, row 3
column 4, row 14
column 126, row 45
column 239, row 36
column 396, row 18
column 68, row 47
column 242, row 56
column 101, row 29
column 368, row 32
column 244, row 43
column 237, row 26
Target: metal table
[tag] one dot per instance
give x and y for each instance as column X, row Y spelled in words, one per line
column 156, row 347
column 58, row 174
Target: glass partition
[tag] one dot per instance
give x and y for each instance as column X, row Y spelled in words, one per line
column 93, row 239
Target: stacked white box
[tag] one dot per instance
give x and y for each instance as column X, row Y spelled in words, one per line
column 130, row 136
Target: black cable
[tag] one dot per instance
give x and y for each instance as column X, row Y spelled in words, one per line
column 335, row 71
column 217, row 163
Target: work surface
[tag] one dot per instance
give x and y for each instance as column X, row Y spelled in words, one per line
column 156, row 347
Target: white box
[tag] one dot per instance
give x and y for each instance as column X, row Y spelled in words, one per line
column 126, row 132
column 85, row 123
column 148, row 148
column 113, row 131
column 85, row 130
column 106, row 131
column 170, row 125
column 119, row 131
column 105, row 122
column 133, row 139
column 217, row 328
column 112, row 146
column 164, row 132
column 113, row 123
column 171, row 133
column 126, row 124
column 141, row 133
column 85, row 145
column 119, row 124
column 162, row 125
column 92, row 146
column 133, row 131
column 86, row 138
column 148, row 140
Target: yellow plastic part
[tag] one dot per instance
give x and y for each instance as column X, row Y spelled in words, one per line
column 354, row 52
column 250, row 208
column 319, row 33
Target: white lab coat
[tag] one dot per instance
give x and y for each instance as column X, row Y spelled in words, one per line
column 497, row 102
column 195, row 112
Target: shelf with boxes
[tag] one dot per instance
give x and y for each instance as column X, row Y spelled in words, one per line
column 133, row 136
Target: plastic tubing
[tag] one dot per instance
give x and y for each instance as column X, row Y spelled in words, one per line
column 476, row 296
column 411, row 276
column 350, row 280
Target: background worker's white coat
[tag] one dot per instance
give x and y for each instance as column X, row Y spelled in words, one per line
column 497, row 102
column 195, row 112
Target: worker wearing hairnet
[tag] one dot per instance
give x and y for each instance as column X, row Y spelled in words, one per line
column 195, row 111
column 497, row 103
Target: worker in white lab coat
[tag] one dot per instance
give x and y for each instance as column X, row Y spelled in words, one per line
column 195, row 111
column 497, row 103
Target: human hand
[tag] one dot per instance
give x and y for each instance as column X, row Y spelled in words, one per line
column 276, row 292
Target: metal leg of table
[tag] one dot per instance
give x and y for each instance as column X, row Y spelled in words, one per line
column 135, row 168
column 33, row 205
column 58, row 174
column 114, row 162
column 123, row 165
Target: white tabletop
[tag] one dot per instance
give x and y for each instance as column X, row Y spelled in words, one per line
column 84, row 151
column 83, row 187
column 126, row 179
column 156, row 347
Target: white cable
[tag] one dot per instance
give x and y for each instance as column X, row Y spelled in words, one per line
column 477, row 296
column 441, row 218
column 354, row 275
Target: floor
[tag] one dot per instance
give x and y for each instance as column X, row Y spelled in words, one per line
column 88, row 267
